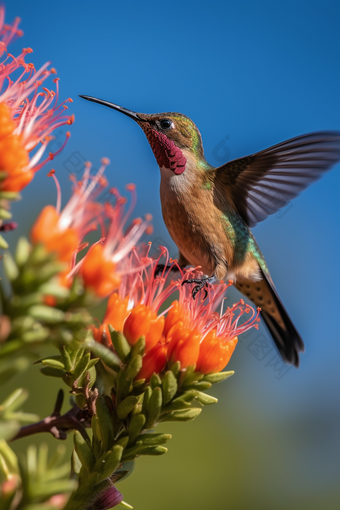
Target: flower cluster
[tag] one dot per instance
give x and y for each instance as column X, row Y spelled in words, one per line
column 188, row 331
column 28, row 113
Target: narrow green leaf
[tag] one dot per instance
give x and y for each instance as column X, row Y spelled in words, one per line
column 169, row 387
column 81, row 366
column 52, row 372
column 4, row 214
column 176, row 368
column 121, row 345
column 134, row 367
column 153, row 439
column 126, row 406
column 46, row 314
column 136, row 425
column 138, row 348
column 83, row 450
column 185, row 415
column 10, row 267
column 53, row 362
column 219, row 377
column 200, row 386
column 155, row 381
column 106, row 355
column 3, row 243
column 205, row 399
column 22, row 251
column 106, row 465
column 105, row 422
column 147, row 395
column 154, row 407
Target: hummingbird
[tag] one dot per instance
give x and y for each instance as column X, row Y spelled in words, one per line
column 209, row 211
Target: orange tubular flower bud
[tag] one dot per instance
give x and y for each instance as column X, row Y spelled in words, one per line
column 46, row 230
column 98, row 272
column 143, row 321
column 215, row 353
column 184, row 345
column 174, row 315
column 153, row 362
column 116, row 313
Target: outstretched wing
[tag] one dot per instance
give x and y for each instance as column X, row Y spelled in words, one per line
column 260, row 184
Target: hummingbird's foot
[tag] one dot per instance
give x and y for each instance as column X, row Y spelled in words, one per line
column 202, row 283
column 160, row 268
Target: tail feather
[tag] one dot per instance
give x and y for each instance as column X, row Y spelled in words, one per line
column 278, row 322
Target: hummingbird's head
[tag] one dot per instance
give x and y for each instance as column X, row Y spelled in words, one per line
column 173, row 137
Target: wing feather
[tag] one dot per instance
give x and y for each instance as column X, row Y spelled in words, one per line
column 260, row 184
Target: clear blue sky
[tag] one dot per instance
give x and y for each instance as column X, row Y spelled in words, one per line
column 249, row 73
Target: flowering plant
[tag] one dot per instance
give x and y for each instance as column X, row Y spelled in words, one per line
column 152, row 358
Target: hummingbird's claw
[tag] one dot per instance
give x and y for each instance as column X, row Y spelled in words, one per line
column 202, row 284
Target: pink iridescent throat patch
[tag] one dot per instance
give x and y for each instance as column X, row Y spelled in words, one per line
column 165, row 151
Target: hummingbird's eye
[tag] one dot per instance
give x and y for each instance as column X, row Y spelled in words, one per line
column 165, row 124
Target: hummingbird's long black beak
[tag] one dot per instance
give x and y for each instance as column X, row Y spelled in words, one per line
column 129, row 113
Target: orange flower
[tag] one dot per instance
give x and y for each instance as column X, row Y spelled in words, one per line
column 98, row 272
column 61, row 232
column 28, row 115
column 134, row 308
column 153, row 362
column 214, row 353
column 184, row 344
column 116, row 313
column 144, row 321
column 198, row 335
column 106, row 262
column 48, row 230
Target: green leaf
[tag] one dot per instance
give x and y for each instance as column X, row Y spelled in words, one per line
column 153, row 439
column 136, row 425
column 84, row 452
column 106, row 465
column 219, row 377
column 3, row 243
column 155, row 381
column 10, row 195
column 200, row 386
column 54, row 362
column 53, row 372
column 4, row 214
column 205, row 399
column 126, row 406
column 106, row 355
column 105, row 422
column 176, row 368
column 121, row 345
column 147, row 395
column 185, row 415
column 22, row 251
column 81, row 366
column 154, row 407
column 138, row 348
column 46, row 314
column 182, row 402
column 169, row 387
column 133, row 367
column 10, row 267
